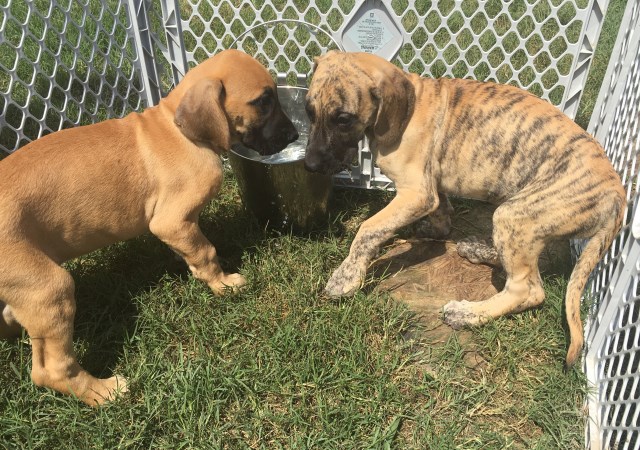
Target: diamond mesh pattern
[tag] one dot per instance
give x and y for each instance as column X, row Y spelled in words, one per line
column 617, row 374
column 284, row 48
column 613, row 327
column 532, row 44
column 63, row 63
column 623, row 149
column 544, row 46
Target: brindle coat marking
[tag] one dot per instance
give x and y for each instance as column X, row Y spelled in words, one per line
column 477, row 140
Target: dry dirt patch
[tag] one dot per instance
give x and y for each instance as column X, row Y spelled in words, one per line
column 425, row 274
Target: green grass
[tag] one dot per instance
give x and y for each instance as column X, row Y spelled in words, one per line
column 280, row 366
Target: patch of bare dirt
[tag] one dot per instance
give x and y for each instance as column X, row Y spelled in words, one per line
column 425, row 274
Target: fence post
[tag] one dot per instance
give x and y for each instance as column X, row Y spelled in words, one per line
column 619, row 66
column 609, row 365
column 582, row 61
column 144, row 49
column 177, row 55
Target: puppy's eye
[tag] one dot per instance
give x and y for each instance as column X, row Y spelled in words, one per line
column 344, row 120
column 263, row 102
column 310, row 111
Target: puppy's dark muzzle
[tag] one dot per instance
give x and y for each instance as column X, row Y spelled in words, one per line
column 319, row 162
column 312, row 167
column 292, row 136
column 287, row 137
column 324, row 161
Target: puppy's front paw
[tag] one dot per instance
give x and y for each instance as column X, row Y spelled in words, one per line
column 459, row 314
column 100, row 391
column 228, row 282
column 345, row 281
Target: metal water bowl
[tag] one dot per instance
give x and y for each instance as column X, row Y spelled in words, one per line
column 277, row 189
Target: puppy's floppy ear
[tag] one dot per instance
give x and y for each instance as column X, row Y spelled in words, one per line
column 395, row 97
column 200, row 115
column 318, row 59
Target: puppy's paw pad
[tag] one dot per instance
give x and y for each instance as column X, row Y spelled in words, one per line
column 336, row 290
column 457, row 314
column 234, row 280
column 119, row 385
column 424, row 228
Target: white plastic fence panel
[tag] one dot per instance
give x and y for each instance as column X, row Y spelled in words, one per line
column 64, row 63
column 545, row 46
column 613, row 327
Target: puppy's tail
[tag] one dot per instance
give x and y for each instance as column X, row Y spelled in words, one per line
column 589, row 258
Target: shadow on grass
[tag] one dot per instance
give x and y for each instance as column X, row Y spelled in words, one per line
column 110, row 279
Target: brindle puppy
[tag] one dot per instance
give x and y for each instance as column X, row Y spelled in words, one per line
column 477, row 140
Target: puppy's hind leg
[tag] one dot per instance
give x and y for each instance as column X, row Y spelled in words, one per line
column 518, row 247
column 41, row 296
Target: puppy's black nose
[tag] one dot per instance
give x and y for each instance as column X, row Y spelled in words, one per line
column 312, row 166
column 309, row 167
